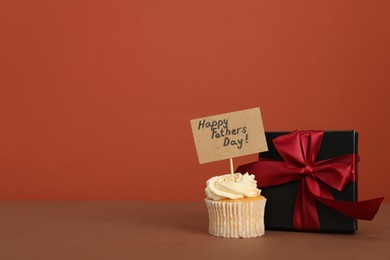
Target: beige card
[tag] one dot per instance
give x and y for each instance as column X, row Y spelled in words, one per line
column 229, row 135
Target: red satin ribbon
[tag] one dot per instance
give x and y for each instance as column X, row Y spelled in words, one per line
column 299, row 151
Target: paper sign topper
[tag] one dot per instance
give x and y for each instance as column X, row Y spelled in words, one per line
column 229, row 135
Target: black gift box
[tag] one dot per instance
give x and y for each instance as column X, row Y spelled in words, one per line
column 281, row 198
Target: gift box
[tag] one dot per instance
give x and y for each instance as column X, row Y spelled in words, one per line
column 310, row 180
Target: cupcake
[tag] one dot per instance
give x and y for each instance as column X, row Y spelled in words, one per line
column 235, row 206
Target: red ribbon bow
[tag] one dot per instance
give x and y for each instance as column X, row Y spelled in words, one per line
column 299, row 151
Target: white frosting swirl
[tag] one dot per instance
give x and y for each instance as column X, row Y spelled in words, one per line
column 223, row 187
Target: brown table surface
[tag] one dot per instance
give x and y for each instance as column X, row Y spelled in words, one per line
column 165, row 230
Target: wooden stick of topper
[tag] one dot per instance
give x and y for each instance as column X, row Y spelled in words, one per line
column 232, row 168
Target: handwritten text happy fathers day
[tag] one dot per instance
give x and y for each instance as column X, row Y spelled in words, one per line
column 229, row 135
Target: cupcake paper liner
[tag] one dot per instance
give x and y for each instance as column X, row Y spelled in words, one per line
column 236, row 219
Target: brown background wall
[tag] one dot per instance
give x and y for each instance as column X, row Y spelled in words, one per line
column 96, row 96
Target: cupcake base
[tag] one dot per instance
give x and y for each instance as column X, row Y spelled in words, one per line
column 240, row 218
